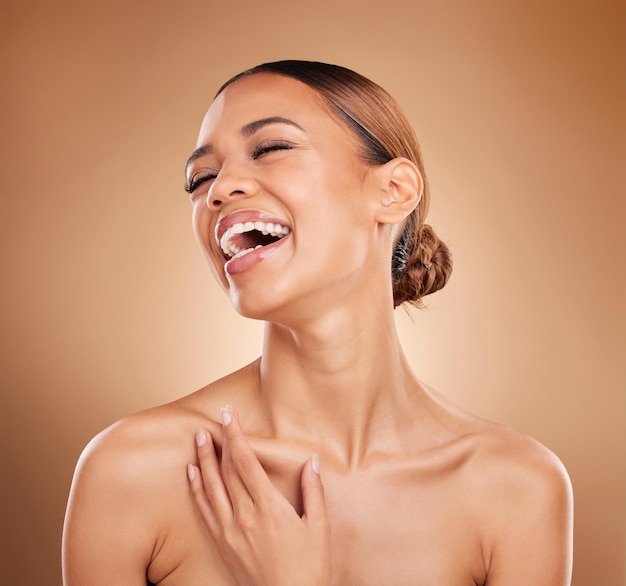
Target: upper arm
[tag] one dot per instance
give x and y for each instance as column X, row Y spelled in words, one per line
column 532, row 530
column 108, row 536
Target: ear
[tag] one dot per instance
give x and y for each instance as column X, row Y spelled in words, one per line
column 401, row 187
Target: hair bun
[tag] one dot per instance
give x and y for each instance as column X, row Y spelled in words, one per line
column 427, row 269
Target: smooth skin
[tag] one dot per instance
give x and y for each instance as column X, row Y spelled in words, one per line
column 251, row 522
column 411, row 490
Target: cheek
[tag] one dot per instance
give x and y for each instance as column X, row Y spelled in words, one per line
column 336, row 234
column 338, row 204
column 200, row 224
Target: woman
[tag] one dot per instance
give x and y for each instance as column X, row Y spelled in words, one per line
column 331, row 462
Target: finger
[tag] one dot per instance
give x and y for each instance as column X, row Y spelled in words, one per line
column 313, row 499
column 243, row 459
column 197, row 490
column 239, row 496
column 211, row 480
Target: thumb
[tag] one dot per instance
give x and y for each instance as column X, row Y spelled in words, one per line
column 313, row 500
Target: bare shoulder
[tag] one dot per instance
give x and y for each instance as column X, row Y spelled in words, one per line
column 501, row 445
column 152, row 436
column 130, row 489
column 519, row 494
column 500, row 456
column 135, row 465
column 140, row 446
column 522, row 497
column 148, row 445
column 513, row 464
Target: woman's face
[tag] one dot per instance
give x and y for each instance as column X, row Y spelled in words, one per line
column 277, row 189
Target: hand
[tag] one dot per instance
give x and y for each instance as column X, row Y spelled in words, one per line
column 261, row 537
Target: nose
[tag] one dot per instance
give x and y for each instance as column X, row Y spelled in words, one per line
column 231, row 182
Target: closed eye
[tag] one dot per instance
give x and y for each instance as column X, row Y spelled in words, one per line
column 196, row 182
column 269, row 146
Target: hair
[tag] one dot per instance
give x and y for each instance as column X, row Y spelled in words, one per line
column 421, row 263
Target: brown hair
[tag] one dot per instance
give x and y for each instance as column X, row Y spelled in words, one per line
column 421, row 263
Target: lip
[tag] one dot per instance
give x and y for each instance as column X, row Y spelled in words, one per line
column 247, row 261
column 241, row 216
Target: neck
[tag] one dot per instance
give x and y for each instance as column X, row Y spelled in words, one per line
column 340, row 379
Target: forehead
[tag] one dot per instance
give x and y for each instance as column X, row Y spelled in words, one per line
column 263, row 95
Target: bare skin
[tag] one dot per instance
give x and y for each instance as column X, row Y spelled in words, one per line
column 411, row 489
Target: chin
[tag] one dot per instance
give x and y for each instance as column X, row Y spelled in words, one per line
column 270, row 306
column 254, row 306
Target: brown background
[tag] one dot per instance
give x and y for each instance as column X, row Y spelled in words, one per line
column 107, row 307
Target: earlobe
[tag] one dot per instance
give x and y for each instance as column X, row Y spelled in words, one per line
column 402, row 186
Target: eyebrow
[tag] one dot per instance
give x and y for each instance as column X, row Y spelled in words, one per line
column 252, row 127
column 248, row 130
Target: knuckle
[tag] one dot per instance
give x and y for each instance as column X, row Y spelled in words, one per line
column 246, row 522
column 230, row 540
column 210, row 492
column 243, row 462
column 247, row 530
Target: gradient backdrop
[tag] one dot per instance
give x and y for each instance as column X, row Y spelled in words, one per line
column 108, row 308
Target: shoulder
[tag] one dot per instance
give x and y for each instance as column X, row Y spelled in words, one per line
column 130, row 483
column 522, row 497
column 511, row 462
column 150, row 445
column 125, row 469
column 118, row 505
column 518, row 496
column 143, row 446
column 498, row 456
column 505, row 465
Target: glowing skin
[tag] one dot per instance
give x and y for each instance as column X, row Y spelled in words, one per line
column 314, row 186
column 406, row 488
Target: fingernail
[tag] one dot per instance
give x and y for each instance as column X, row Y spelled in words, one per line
column 200, row 438
column 315, row 464
column 226, row 414
column 191, row 472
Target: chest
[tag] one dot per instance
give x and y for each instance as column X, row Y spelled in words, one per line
column 404, row 532
column 401, row 530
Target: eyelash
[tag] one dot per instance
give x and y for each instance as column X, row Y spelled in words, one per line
column 271, row 145
column 258, row 151
column 196, row 182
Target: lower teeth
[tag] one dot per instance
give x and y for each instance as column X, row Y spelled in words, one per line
column 244, row 252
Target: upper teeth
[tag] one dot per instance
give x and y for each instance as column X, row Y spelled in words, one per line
column 231, row 249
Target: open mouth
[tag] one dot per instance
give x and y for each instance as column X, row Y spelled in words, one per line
column 244, row 237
